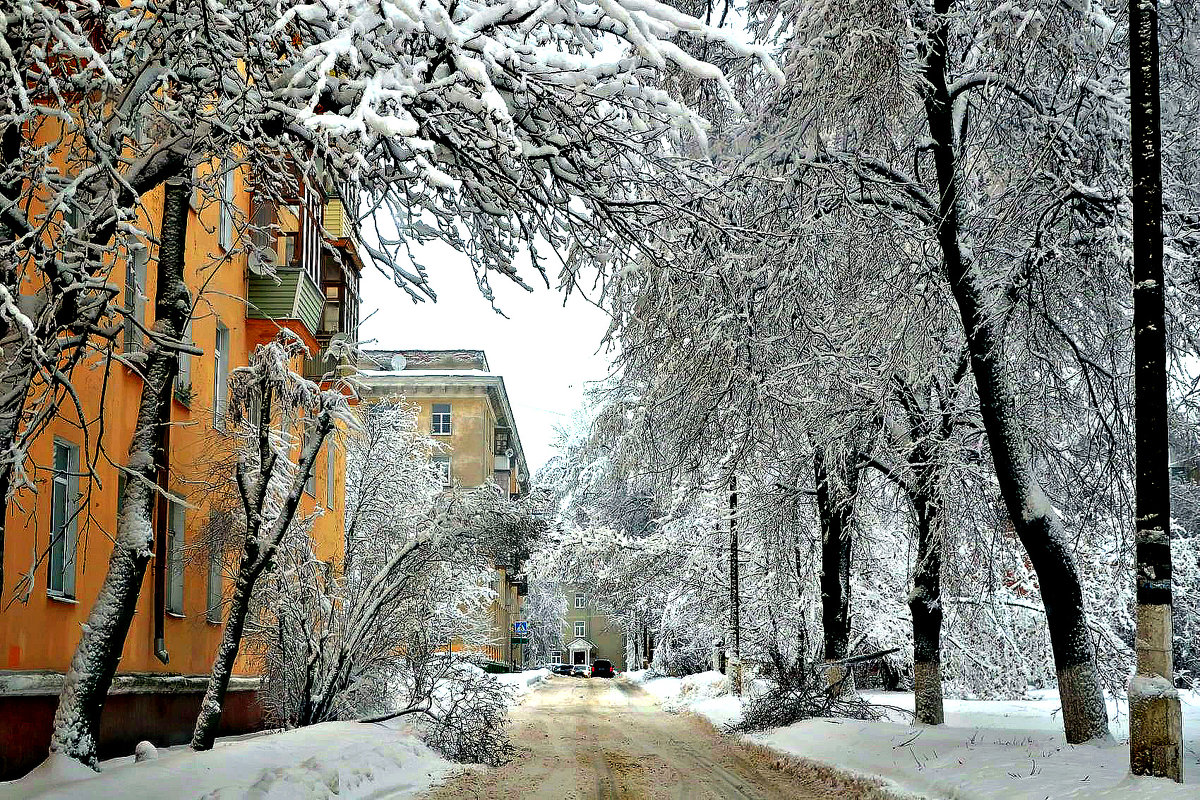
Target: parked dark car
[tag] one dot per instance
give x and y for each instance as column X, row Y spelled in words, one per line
column 580, row 671
column 602, row 668
column 560, row 669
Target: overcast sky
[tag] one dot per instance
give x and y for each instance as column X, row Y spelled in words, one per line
column 545, row 352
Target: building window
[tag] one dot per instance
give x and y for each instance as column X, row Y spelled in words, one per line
column 175, row 544
column 121, row 481
column 580, row 630
column 330, row 473
column 253, row 408
column 310, row 483
column 579, row 601
column 441, row 419
column 64, row 491
column 556, row 657
column 213, row 614
column 220, row 375
column 219, row 525
column 135, row 298
column 225, row 218
column 183, row 378
column 443, row 465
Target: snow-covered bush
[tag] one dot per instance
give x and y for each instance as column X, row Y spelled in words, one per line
column 468, row 719
column 794, row 690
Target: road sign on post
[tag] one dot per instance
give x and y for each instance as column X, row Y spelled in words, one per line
column 520, row 628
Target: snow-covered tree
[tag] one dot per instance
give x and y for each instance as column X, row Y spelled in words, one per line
column 497, row 126
column 267, row 401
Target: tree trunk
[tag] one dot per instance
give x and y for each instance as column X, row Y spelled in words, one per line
column 835, row 506
column 1155, row 722
column 925, row 603
column 256, row 555
column 1033, row 518
column 86, row 684
column 209, row 719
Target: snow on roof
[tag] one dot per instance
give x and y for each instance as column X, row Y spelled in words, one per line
column 426, row 373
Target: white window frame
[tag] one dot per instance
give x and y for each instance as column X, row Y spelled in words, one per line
column 310, row 483
column 135, row 298
column 216, row 586
column 330, row 472
column 556, row 657
column 220, row 402
column 580, row 600
column 225, row 206
column 183, row 376
column 440, row 422
column 580, row 629
column 60, row 578
column 446, row 466
column 176, row 541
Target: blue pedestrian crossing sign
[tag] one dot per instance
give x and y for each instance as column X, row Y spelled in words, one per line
column 520, row 628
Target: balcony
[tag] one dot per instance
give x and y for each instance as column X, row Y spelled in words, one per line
column 288, row 294
column 298, row 274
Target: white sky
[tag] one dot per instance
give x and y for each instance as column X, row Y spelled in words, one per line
column 544, row 351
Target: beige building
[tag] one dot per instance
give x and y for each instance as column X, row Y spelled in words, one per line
column 588, row 634
column 465, row 406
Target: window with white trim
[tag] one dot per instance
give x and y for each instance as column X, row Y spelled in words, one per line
column 220, row 375
column 580, row 630
column 135, row 299
column 330, row 473
column 60, row 581
column 215, row 588
column 175, row 545
column 225, row 215
column 183, row 377
column 579, row 600
column 440, row 422
column 443, row 465
column 219, row 523
column 556, row 657
column 310, row 483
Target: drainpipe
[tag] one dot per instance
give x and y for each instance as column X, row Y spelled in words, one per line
column 160, row 546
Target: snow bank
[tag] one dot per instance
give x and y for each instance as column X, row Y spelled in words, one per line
column 522, row 683
column 334, row 759
column 988, row 750
column 658, row 686
column 705, row 694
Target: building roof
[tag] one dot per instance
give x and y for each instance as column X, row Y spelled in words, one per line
column 430, row 368
column 450, row 360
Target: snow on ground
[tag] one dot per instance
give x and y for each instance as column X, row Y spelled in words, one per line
column 987, row 750
column 706, row 694
column 522, row 683
column 335, row 759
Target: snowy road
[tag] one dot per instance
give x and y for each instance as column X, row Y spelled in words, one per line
column 607, row 740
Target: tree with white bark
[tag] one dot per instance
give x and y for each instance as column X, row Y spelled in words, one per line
column 504, row 124
column 267, row 401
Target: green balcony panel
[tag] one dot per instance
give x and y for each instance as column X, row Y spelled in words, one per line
column 290, row 295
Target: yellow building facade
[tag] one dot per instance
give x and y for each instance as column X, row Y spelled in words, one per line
column 465, row 407
column 588, row 633
column 51, row 582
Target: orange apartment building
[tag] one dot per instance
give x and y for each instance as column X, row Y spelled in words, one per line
column 465, row 405
column 177, row 625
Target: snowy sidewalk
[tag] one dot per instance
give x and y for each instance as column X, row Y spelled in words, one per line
column 987, row 750
column 345, row 760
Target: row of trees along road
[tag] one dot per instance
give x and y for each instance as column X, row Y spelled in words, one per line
column 498, row 127
column 905, row 256
column 903, row 302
